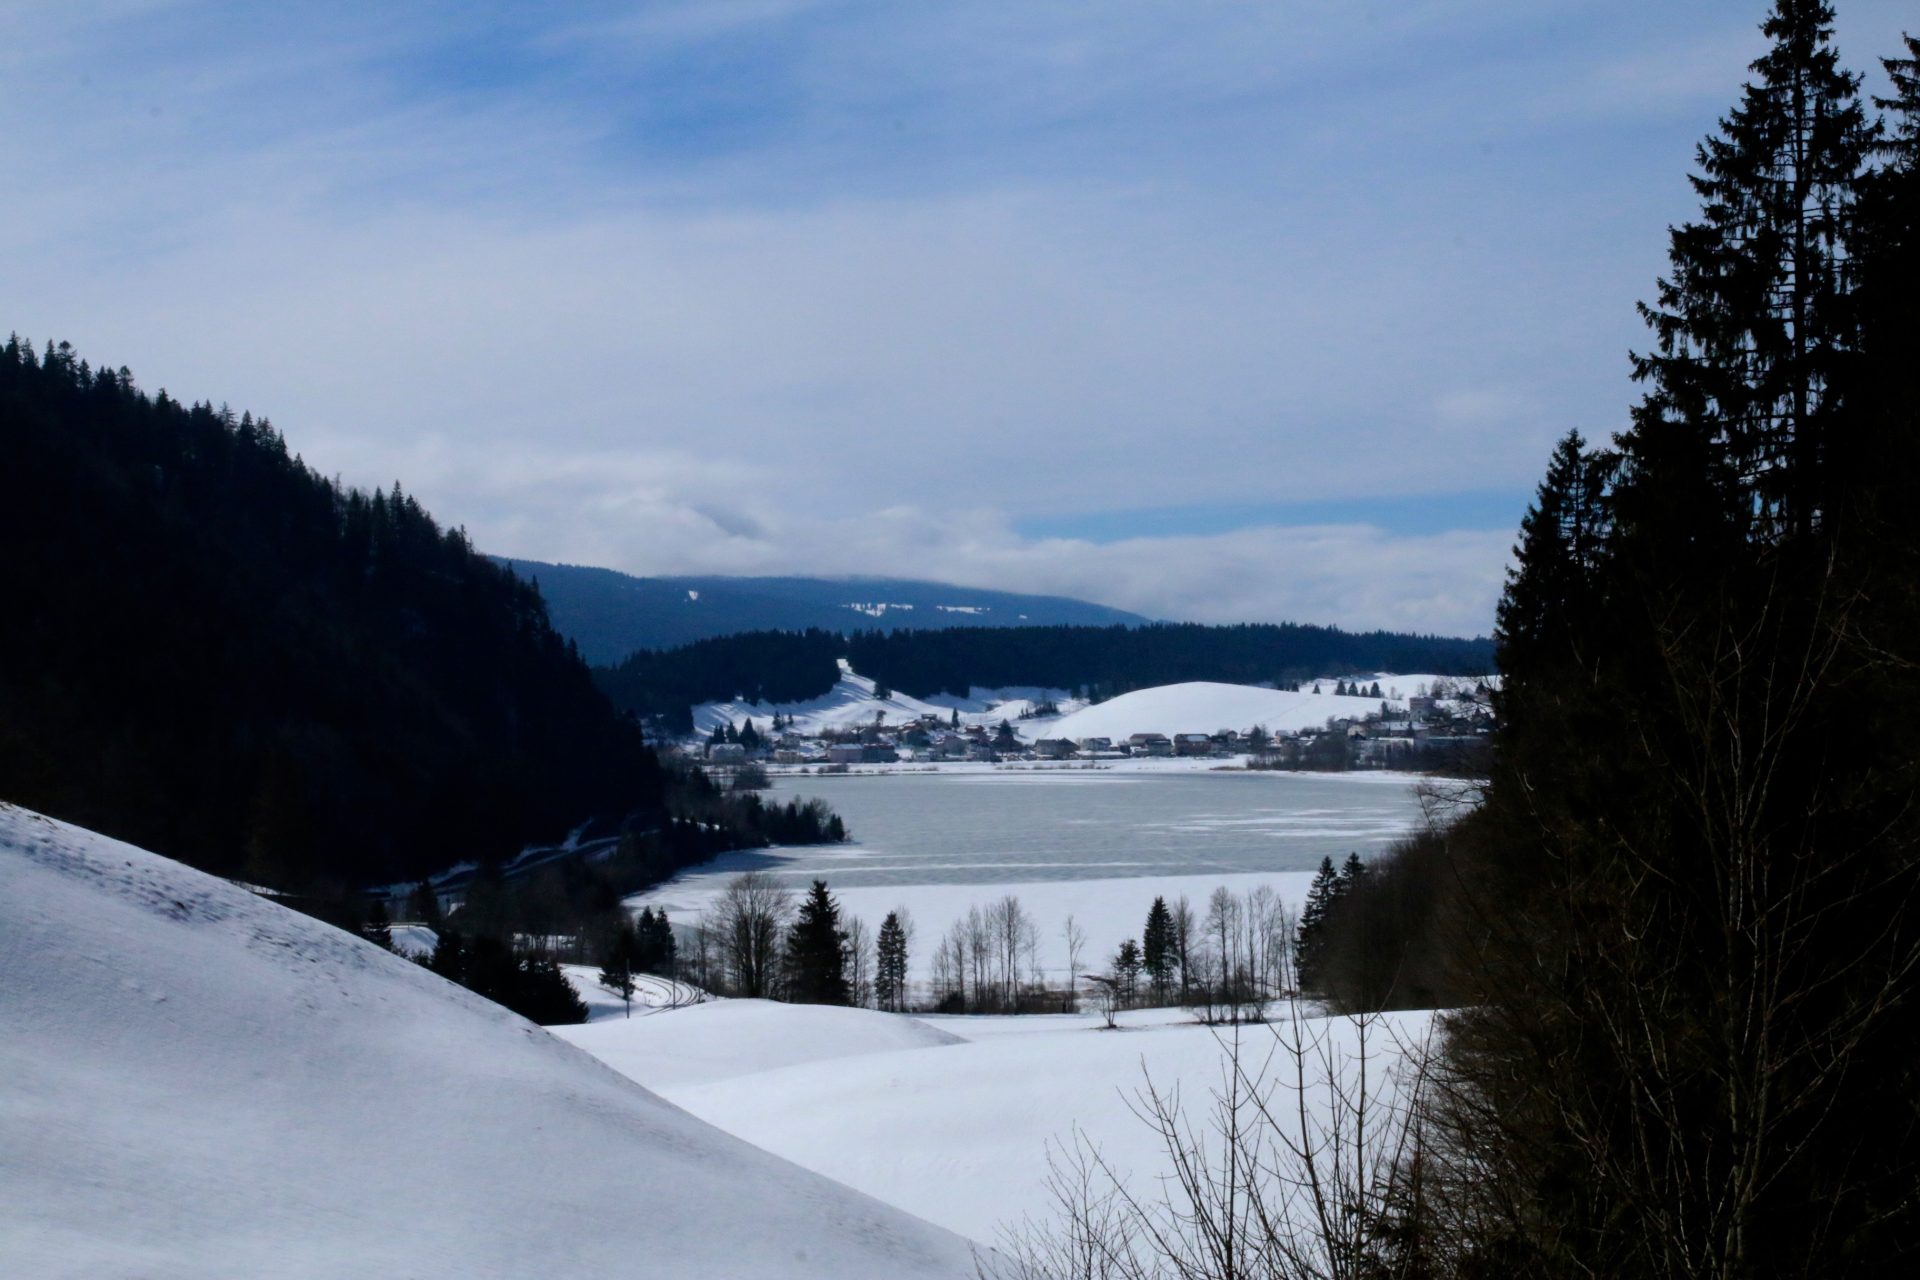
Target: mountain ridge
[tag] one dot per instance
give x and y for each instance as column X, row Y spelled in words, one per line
column 610, row 614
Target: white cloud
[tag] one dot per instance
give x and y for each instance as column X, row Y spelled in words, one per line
column 779, row 286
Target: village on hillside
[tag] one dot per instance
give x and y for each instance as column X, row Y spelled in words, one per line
column 1446, row 724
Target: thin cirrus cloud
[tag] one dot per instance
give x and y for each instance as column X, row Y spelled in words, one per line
column 1214, row 312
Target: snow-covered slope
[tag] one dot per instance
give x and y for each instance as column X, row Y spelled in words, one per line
column 1206, row 707
column 959, row 1132
column 729, row 1038
column 196, row 1082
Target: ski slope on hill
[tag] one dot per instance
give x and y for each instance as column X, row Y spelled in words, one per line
column 195, row 1082
column 855, row 702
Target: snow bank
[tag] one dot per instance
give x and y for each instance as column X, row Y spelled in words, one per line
column 1202, row 706
column 200, row 1083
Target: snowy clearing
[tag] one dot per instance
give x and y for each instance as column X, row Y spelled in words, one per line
column 198, row 1082
column 958, row 1132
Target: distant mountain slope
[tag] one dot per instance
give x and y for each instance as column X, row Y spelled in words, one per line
column 200, row 1083
column 611, row 614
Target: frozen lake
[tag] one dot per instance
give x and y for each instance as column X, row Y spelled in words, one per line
column 1095, row 844
column 1014, row 827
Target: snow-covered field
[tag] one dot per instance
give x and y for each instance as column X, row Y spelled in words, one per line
column 195, row 1082
column 952, row 1118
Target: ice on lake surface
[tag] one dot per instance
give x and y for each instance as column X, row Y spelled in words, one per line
column 998, row 828
column 1098, row 846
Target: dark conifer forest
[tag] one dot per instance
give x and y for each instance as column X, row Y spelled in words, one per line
column 1683, row 928
column 213, row 652
column 777, row 666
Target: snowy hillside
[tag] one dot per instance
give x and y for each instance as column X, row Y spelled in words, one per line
column 1205, row 707
column 1194, row 707
column 853, row 701
column 200, row 1083
column 724, row 1039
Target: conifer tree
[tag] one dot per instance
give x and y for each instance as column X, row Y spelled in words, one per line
column 1308, row 939
column 1691, row 948
column 378, row 928
column 890, row 964
column 1352, row 873
column 1156, row 947
column 816, row 955
column 1126, row 971
column 1752, row 326
column 616, row 975
column 423, row 904
column 662, row 950
column 622, row 959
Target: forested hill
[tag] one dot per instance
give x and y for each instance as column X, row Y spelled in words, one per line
column 1103, row 661
column 611, row 614
column 211, row 651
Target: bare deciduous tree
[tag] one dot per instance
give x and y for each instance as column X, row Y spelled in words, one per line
column 747, row 922
column 1308, row 1163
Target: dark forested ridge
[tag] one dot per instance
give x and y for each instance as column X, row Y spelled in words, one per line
column 1111, row 660
column 210, row 650
column 611, row 614
column 1102, row 661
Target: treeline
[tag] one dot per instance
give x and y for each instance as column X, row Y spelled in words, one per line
column 1228, row 961
column 509, row 935
column 1105, row 661
column 664, row 685
column 1100, row 662
column 1680, row 932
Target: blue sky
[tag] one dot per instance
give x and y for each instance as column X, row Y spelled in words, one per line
column 1211, row 311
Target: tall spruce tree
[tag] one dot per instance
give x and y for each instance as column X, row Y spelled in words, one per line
column 1156, row 948
column 816, row 951
column 1687, row 919
column 1309, row 938
column 1537, row 627
column 1753, row 324
column 890, row 964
